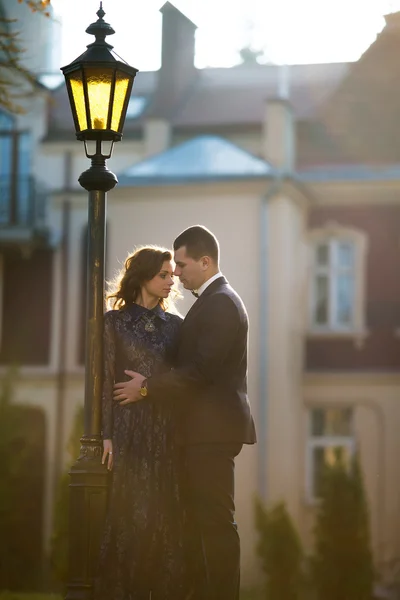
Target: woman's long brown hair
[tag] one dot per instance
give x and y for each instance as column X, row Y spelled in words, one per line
column 140, row 266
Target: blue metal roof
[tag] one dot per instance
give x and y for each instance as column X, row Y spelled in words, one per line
column 339, row 173
column 204, row 158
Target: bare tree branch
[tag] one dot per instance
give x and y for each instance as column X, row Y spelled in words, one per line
column 16, row 82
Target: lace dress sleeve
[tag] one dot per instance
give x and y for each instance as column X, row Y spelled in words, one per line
column 108, row 376
column 173, row 342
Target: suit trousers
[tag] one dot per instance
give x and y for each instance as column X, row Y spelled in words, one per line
column 213, row 541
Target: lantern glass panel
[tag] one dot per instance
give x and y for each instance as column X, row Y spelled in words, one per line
column 99, row 89
column 122, row 81
column 90, row 147
column 78, row 95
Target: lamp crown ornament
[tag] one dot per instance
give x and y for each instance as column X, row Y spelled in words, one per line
column 100, row 29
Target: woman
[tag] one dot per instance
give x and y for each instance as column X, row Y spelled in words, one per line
column 142, row 549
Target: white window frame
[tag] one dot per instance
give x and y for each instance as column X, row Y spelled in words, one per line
column 333, row 232
column 323, row 441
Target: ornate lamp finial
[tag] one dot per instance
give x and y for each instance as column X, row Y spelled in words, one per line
column 100, row 29
column 100, row 13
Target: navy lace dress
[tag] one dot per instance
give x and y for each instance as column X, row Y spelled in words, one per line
column 142, row 551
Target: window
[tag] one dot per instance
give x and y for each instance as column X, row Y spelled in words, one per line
column 330, row 435
column 6, row 121
column 334, row 284
column 337, row 281
column 6, row 153
column 15, row 180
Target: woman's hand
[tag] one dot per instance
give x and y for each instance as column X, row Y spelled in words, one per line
column 107, row 451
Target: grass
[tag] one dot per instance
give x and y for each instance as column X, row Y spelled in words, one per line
column 28, row 596
column 249, row 594
column 244, row 595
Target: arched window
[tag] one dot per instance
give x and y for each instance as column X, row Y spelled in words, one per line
column 330, row 438
column 337, row 283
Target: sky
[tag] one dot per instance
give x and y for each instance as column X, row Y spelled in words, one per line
column 288, row 31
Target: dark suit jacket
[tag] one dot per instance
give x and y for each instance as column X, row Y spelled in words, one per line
column 210, row 378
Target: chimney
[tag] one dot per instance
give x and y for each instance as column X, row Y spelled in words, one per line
column 279, row 139
column 392, row 21
column 156, row 136
column 177, row 71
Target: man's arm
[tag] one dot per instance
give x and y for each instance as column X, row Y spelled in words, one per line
column 219, row 327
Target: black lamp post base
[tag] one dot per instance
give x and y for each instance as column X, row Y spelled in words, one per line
column 88, row 501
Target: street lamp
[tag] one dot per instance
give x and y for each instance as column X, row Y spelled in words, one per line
column 99, row 86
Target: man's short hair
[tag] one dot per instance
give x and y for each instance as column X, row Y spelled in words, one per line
column 198, row 241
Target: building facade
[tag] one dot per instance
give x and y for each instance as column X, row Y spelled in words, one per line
column 303, row 194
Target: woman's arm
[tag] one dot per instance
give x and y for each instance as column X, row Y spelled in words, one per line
column 108, row 375
column 174, row 339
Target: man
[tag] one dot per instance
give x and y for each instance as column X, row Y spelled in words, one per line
column 211, row 379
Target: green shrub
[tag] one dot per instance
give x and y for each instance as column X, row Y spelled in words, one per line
column 342, row 567
column 280, row 551
column 250, row 594
column 22, row 451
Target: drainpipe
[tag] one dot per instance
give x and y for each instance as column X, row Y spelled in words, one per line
column 263, row 370
column 278, row 138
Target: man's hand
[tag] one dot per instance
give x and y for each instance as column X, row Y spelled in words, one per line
column 129, row 391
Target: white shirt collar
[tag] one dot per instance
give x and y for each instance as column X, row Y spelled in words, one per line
column 208, row 282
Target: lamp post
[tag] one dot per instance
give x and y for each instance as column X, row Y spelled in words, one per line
column 99, row 86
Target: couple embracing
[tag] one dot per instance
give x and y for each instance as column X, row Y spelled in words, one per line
column 175, row 416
